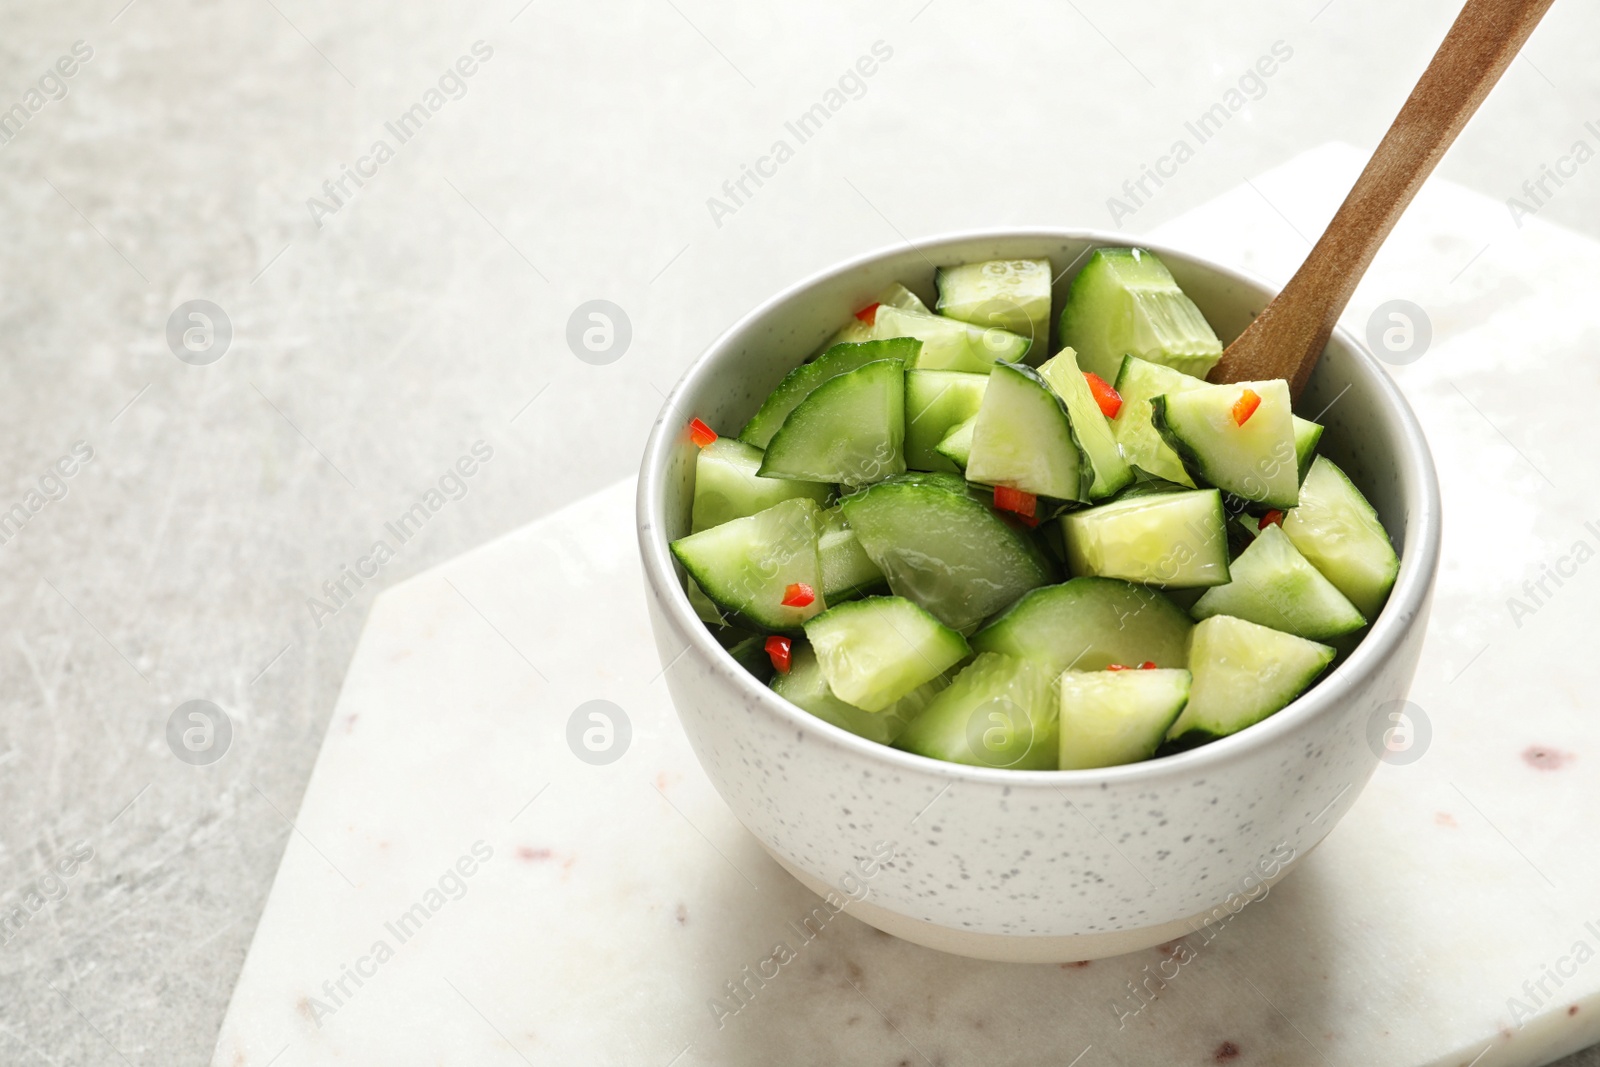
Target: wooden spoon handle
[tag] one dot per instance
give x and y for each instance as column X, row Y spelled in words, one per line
column 1287, row 338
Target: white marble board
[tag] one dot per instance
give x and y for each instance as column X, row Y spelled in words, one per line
column 617, row 901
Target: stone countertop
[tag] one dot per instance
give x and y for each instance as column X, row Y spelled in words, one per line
column 429, row 311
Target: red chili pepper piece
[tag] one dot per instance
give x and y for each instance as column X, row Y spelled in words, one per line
column 1118, row 667
column 1021, row 504
column 798, row 595
column 778, row 651
column 869, row 314
column 1109, row 399
column 1148, row 665
column 1273, row 518
column 1245, row 406
column 700, row 433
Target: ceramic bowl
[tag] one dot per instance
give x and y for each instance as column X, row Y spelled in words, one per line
column 1036, row 866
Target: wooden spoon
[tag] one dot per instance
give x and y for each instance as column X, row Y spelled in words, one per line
column 1287, row 338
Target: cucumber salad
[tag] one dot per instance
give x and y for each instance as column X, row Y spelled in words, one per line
column 933, row 537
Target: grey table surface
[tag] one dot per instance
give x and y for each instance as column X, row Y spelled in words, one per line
column 379, row 331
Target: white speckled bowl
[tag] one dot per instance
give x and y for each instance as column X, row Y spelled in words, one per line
column 1035, row 866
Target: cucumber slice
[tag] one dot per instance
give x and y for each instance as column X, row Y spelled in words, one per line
column 1125, row 301
column 957, row 444
column 806, row 378
column 896, row 295
column 949, row 344
column 1274, row 586
column 1137, row 383
column 1023, row 437
column 745, row 565
column 1089, row 624
column 1243, row 673
column 1175, row 540
column 1013, row 294
column 1306, row 436
column 944, row 550
column 875, row 651
column 936, row 401
column 1255, row 461
column 850, row 430
column 726, row 485
column 1089, row 426
column 1338, row 532
column 1113, row 717
column 847, row 570
column 999, row 712
column 806, row 688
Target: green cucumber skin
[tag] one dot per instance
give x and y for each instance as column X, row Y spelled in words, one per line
column 927, row 531
column 794, row 451
column 1126, row 623
column 1196, row 466
column 1098, row 450
column 837, row 359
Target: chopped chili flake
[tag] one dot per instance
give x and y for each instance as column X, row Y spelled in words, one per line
column 1272, row 518
column 778, row 649
column 1023, row 505
column 798, row 595
column 1245, row 406
column 1109, row 399
column 1118, row 667
column 700, row 433
column 869, row 314
column 1148, row 665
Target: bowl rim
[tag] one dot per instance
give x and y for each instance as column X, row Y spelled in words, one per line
column 1418, row 556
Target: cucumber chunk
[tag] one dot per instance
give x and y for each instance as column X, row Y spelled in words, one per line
column 1174, row 540
column 897, row 296
column 998, row 712
column 1338, row 532
column 744, row 566
column 875, row 651
column 1306, row 436
column 1090, row 429
column 949, row 344
column 1089, row 624
column 1114, row 717
column 1013, row 294
column 726, row 485
column 944, row 550
column 1023, row 437
column 1125, row 301
column 847, row 570
column 957, row 444
column 806, row 378
column 806, row 688
column 936, row 401
column 1243, row 673
column 1138, row 382
column 1274, row 586
column 850, row 430
column 1255, row 461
